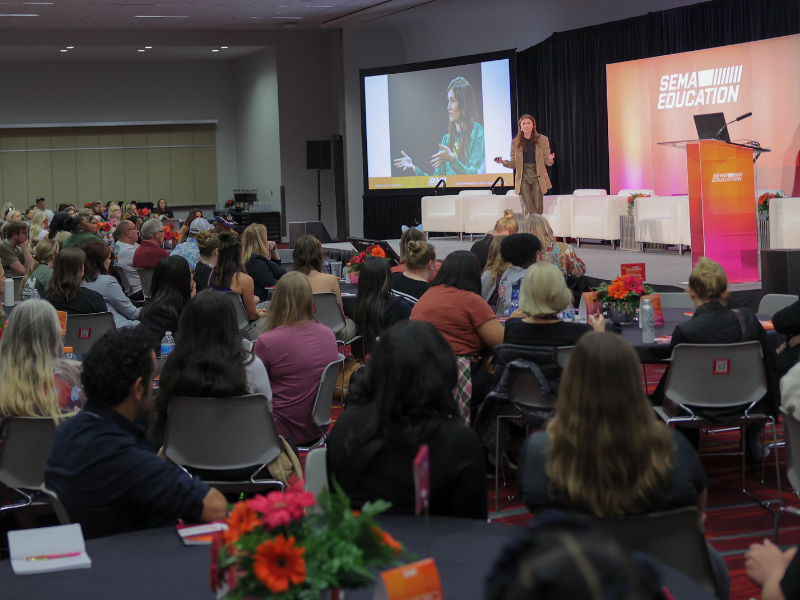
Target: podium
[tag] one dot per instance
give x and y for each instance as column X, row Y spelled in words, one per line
column 722, row 205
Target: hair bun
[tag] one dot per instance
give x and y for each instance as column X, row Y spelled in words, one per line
column 415, row 246
column 508, row 214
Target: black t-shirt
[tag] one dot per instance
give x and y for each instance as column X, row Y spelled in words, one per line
column 535, row 334
column 688, row 476
column 85, row 302
column 790, row 584
column 481, row 249
column 457, row 475
column 408, row 289
column 202, row 273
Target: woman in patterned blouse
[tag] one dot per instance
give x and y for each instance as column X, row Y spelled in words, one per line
column 559, row 253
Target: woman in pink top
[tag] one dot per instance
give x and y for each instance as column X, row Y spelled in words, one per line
column 295, row 349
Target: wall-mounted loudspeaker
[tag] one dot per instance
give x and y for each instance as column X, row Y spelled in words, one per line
column 318, row 155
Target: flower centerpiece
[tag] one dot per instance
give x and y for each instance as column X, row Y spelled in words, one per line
column 104, row 227
column 763, row 204
column 229, row 204
column 273, row 549
column 623, row 296
column 169, row 236
column 88, row 205
column 359, row 259
column 632, row 201
column 144, row 212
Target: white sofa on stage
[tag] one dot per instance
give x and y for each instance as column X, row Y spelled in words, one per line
column 558, row 210
column 784, row 222
column 442, row 213
column 663, row 220
column 595, row 215
column 481, row 212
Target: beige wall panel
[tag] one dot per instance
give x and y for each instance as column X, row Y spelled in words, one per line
column 204, row 134
column 37, row 139
column 136, row 189
column 134, row 136
column 40, row 177
column 87, row 137
column 62, row 137
column 159, row 176
column 180, row 135
column 158, row 135
column 182, row 160
column 112, row 173
column 87, row 166
column 111, row 137
column 205, row 175
column 15, row 169
column 65, row 178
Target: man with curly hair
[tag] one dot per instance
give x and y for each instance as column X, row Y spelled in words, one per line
column 105, row 473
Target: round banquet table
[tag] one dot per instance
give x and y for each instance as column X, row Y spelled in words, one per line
column 155, row 564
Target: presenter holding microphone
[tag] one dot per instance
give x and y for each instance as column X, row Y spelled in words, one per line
column 530, row 152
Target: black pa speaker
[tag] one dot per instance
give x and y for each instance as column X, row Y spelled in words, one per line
column 318, row 155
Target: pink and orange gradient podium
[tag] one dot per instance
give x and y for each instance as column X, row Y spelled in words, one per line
column 722, row 206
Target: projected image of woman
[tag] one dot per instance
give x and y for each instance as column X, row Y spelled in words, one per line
column 530, row 152
column 462, row 149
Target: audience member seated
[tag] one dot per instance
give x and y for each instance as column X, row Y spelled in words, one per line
column 521, row 250
column 377, row 309
column 36, row 381
column 229, row 276
column 170, row 292
column 420, row 263
column 97, row 212
column 505, row 226
column 60, row 227
column 114, row 215
column 208, row 244
column 295, row 349
column 37, row 278
column 194, row 213
column 82, row 228
column 261, row 260
column 560, row 254
column 411, row 234
column 127, row 236
column 102, row 468
column 15, row 254
column 307, row 256
column 714, row 323
column 787, row 322
column 208, row 360
column 38, row 230
column 561, row 558
column 775, row 571
column 401, row 400
column 604, row 453
column 454, row 306
column 790, row 392
column 189, row 249
column 65, row 291
column 162, row 211
column 97, row 278
column 150, row 251
column 490, row 278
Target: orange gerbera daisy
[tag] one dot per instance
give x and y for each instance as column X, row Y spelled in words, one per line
column 277, row 563
column 377, row 251
column 241, row 520
column 387, row 540
column 618, row 290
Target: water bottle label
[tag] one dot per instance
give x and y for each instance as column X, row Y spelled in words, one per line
column 166, row 349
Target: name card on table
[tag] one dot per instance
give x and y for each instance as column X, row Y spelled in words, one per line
column 416, row 581
column 589, row 305
column 633, row 269
column 658, row 314
column 48, row 549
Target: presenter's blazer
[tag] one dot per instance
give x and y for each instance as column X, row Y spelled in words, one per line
column 542, row 152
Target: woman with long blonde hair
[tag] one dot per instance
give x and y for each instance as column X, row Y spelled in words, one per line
column 261, row 259
column 495, row 267
column 506, row 225
column 560, row 254
column 36, row 382
column 39, row 273
column 295, row 349
column 38, row 229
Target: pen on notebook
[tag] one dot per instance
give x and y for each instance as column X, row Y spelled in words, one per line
column 51, row 556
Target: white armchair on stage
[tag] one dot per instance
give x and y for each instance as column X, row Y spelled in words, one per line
column 784, row 222
column 595, row 215
column 481, row 211
column 442, row 213
column 558, row 212
column 662, row 220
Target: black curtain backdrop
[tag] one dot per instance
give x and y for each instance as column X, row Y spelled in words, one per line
column 562, row 81
column 385, row 215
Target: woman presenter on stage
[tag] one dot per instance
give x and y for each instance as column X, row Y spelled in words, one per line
column 462, row 150
column 530, row 152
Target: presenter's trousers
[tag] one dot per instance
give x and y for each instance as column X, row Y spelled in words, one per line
column 530, row 192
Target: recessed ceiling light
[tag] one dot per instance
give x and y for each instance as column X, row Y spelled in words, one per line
column 17, row 15
column 319, row 7
column 215, row 50
column 224, row 47
column 159, row 16
column 148, row 47
column 70, row 47
column 63, row 50
column 298, row 18
column 141, row 50
column 37, row 3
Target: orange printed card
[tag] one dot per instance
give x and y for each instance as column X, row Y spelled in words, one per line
column 633, row 269
column 589, row 305
column 658, row 314
column 62, row 318
column 418, row 581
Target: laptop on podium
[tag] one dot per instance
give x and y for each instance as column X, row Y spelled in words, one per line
column 708, row 126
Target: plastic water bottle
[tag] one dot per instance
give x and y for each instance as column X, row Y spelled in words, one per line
column 67, row 353
column 646, row 319
column 568, row 314
column 514, row 298
column 167, row 346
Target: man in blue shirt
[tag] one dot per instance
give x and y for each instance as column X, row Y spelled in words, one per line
column 105, row 473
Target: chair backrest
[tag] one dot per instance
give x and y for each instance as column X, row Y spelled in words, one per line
column 587, row 192
column 717, row 375
column 328, row 311
column 321, row 413
column 316, row 471
column 242, row 320
column 772, row 303
column 126, row 285
column 674, row 537
column 146, row 276
column 84, row 330
column 627, row 193
column 676, row 300
column 18, row 288
column 55, row 502
column 791, row 433
column 248, row 345
column 24, row 448
column 221, row 433
column 562, row 355
column 475, row 193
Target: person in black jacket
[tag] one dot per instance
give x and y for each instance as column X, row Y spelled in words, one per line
column 261, row 260
column 377, row 308
column 787, row 322
column 171, row 290
column 65, row 292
